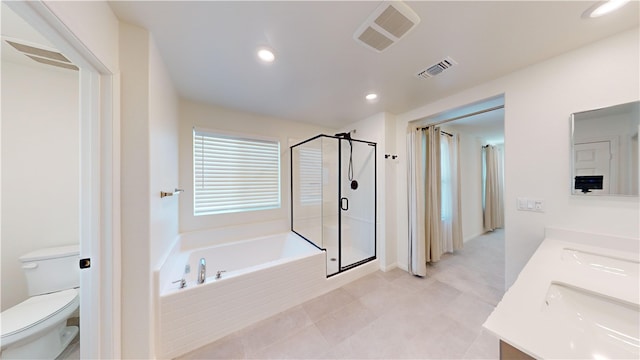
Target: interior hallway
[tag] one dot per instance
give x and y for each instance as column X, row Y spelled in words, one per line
column 390, row 315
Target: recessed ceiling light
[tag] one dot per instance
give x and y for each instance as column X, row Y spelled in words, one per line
column 603, row 7
column 266, row 55
column 371, row 97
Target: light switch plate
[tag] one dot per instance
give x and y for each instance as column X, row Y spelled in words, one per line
column 521, row 204
column 527, row 204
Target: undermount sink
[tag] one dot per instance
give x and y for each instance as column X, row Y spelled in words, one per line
column 604, row 263
column 603, row 327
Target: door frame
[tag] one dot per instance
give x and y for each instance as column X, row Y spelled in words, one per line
column 614, row 162
column 343, row 142
column 99, row 184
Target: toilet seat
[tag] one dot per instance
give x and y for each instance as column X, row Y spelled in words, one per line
column 35, row 311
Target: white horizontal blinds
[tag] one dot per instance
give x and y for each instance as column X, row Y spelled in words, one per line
column 233, row 174
column 310, row 175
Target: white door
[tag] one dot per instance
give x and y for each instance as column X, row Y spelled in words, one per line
column 593, row 158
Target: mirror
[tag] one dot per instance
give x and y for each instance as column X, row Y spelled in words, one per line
column 605, row 151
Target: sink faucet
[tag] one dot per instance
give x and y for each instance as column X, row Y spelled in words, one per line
column 202, row 271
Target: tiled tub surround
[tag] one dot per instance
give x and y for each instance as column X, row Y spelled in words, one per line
column 262, row 277
column 578, row 297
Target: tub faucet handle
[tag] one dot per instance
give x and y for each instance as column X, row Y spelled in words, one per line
column 219, row 273
column 183, row 283
column 202, row 271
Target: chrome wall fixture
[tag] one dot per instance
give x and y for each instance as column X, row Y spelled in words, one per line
column 175, row 192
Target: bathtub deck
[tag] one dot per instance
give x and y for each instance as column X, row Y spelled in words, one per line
column 386, row 315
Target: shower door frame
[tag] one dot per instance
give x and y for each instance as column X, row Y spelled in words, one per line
column 341, row 269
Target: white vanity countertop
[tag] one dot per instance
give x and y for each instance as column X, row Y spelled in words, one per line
column 578, row 297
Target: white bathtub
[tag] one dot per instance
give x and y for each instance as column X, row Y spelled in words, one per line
column 241, row 257
column 262, row 277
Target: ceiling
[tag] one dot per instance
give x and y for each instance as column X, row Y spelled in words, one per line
column 321, row 74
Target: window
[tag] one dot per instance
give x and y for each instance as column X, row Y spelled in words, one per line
column 310, row 176
column 445, row 178
column 234, row 174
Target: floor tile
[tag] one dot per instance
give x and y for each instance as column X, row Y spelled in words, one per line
column 230, row 347
column 445, row 338
column 485, row 346
column 365, row 284
column 391, row 315
column 326, row 304
column 269, row 331
column 308, row 343
column 345, row 322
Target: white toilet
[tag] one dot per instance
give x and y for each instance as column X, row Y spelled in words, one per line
column 36, row 328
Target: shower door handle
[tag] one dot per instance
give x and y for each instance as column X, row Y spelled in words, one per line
column 344, row 204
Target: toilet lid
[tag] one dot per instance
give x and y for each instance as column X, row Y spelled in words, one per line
column 35, row 310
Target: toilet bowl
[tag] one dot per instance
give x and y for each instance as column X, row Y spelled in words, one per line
column 36, row 328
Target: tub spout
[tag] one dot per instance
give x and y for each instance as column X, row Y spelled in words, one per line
column 202, row 271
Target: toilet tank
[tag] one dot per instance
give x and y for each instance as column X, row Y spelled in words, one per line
column 51, row 269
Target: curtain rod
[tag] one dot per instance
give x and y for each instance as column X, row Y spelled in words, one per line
column 465, row 116
column 443, row 132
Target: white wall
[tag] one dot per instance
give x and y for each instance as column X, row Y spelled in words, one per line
column 215, row 118
column 94, row 24
column 135, row 199
column 163, row 155
column 40, row 166
column 163, row 162
column 538, row 101
column 390, row 193
column 379, row 128
column 149, row 165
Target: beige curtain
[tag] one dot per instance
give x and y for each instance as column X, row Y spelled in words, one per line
column 424, row 191
column 493, row 188
column 416, row 262
column 432, row 186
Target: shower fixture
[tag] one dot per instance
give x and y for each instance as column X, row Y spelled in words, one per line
column 347, row 136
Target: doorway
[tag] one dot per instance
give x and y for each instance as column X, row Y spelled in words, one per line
column 446, row 180
column 479, row 125
column 473, row 127
column 96, row 191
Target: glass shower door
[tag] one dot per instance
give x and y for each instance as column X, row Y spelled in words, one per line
column 357, row 220
column 333, row 198
column 314, row 204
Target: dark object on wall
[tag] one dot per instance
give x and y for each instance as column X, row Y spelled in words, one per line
column 347, row 136
column 588, row 183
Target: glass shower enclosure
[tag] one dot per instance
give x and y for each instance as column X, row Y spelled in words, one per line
column 333, row 198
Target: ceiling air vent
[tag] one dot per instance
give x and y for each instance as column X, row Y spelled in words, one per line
column 390, row 22
column 43, row 56
column 436, row 69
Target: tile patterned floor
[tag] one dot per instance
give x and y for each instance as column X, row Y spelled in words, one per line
column 390, row 315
